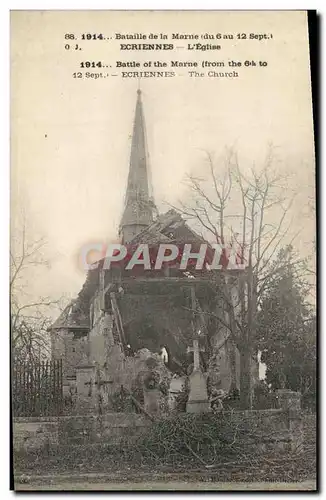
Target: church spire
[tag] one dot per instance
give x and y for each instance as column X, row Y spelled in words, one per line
column 138, row 210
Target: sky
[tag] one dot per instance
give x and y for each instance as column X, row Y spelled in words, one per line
column 71, row 138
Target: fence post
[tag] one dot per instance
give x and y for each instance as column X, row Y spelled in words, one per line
column 290, row 401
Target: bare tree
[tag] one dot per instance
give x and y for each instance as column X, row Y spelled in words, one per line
column 29, row 323
column 258, row 204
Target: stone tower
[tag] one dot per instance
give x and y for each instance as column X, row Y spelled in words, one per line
column 139, row 207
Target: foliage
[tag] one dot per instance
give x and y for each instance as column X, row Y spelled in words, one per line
column 151, row 380
column 286, row 329
column 184, row 433
column 232, row 400
column 264, row 396
column 121, row 400
column 182, row 398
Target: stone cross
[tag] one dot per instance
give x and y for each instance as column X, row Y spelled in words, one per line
column 198, row 397
column 97, row 382
column 196, row 349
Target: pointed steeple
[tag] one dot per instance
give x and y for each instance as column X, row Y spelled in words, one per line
column 138, row 210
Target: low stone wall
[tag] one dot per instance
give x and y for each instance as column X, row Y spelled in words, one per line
column 35, row 433
column 270, row 429
column 38, row 432
column 265, row 429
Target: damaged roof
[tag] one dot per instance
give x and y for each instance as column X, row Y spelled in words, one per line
column 73, row 317
column 168, row 228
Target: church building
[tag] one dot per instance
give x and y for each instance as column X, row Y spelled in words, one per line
column 119, row 312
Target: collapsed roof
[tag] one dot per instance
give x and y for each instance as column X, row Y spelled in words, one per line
column 167, row 228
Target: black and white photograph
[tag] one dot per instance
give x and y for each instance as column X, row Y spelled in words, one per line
column 163, row 289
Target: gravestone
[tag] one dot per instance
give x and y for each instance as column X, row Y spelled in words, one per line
column 86, row 389
column 151, row 378
column 152, row 400
column 198, row 397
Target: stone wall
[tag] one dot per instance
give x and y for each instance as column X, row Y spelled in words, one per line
column 101, row 338
column 35, row 433
column 31, row 434
column 267, row 429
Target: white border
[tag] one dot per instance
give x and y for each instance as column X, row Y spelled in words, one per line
column 4, row 170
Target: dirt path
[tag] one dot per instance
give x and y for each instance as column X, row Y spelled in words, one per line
column 169, row 485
